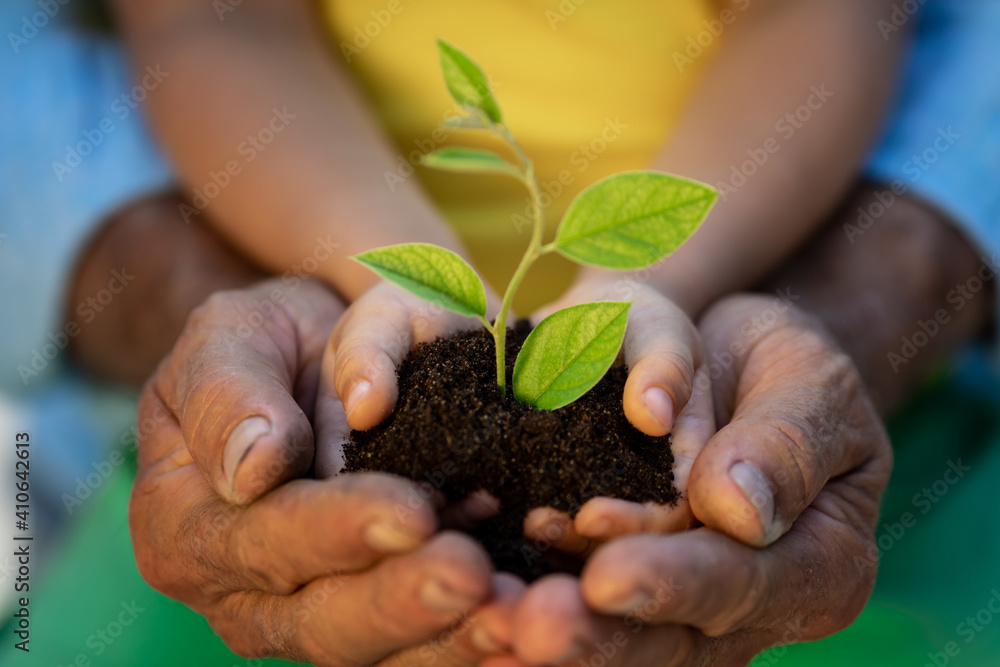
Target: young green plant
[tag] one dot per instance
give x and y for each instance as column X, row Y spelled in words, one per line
column 625, row 221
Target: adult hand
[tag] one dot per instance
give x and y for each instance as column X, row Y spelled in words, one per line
column 341, row 571
column 797, row 471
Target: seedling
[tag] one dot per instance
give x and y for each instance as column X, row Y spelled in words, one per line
column 626, row 221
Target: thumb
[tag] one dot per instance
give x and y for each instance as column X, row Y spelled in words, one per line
column 235, row 381
column 662, row 351
column 358, row 385
column 799, row 421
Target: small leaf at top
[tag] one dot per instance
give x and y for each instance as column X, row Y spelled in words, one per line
column 456, row 158
column 569, row 352
column 631, row 220
column 466, row 82
column 432, row 273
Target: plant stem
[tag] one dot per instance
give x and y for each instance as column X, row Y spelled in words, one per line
column 533, row 252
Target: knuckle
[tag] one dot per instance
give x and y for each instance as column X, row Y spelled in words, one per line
column 803, row 466
column 218, row 304
column 681, row 365
column 754, row 595
column 676, row 367
column 383, row 611
column 239, row 636
column 726, row 610
column 358, row 359
column 254, row 555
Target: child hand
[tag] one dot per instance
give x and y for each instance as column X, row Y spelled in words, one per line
column 358, row 386
column 667, row 391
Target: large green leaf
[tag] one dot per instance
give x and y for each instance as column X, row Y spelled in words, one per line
column 432, row 273
column 569, row 352
column 456, row 158
column 631, row 220
column 466, row 82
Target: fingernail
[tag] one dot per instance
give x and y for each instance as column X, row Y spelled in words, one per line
column 390, row 538
column 441, row 598
column 485, row 642
column 356, row 395
column 757, row 490
column 239, row 444
column 659, row 406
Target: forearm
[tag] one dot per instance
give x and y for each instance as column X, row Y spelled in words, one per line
column 780, row 173
column 909, row 277
column 123, row 340
column 323, row 173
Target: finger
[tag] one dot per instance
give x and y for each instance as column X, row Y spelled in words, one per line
column 187, row 536
column 801, row 419
column 551, row 528
column 720, row 586
column 470, row 511
column 236, row 381
column 553, row 626
column 356, row 520
column 493, row 631
column 603, row 519
column 363, row 618
column 470, row 639
column 369, row 343
column 662, row 351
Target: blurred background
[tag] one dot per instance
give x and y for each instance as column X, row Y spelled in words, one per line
column 74, row 149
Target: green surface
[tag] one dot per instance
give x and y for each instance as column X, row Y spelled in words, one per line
column 943, row 565
column 937, row 571
column 94, row 587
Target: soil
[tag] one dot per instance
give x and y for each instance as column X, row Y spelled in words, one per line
column 452, row 428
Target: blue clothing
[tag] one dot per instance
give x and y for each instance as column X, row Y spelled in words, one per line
column 943, row 141
column 74, row 147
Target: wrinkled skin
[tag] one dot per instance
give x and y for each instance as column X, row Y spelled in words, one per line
column 350, row 570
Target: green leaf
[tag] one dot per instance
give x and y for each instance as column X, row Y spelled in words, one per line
column 466, row 82
column 631, row 220
column 432, row 273
column 569, row 352
column 470, row 159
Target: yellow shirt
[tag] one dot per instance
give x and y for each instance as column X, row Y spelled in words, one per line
column 589, row 87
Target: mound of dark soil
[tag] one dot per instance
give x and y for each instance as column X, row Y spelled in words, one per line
column 453, row 429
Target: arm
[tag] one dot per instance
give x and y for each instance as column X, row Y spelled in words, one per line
column 774, row 58
column 858, row 290
column 124, row 340
column 322, row 175
column 777, row 57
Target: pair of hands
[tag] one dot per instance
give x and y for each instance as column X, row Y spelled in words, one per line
column 352, row 569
